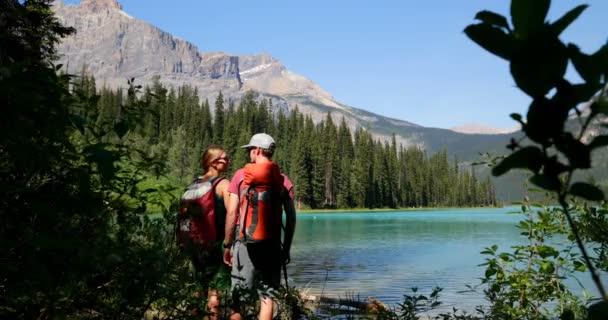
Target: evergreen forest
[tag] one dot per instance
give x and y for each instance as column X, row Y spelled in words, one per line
column 330, row 166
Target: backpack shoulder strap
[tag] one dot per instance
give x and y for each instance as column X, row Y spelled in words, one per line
column 216, row 181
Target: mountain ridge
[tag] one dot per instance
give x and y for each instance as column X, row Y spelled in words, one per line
column 114, row 46
column 477, row 128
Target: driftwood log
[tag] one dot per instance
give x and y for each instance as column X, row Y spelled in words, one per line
column 370, row 305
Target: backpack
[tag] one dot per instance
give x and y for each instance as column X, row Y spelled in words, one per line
column 260, row 202
column 196, row 218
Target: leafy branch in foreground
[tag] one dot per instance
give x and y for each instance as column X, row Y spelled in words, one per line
column 528, row 282
column 538, row 60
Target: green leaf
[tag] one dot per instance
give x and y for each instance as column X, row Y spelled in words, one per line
column 568, row 96
column 492, row 18
column 578, row 154
column 579, row 266
column 547, row 267
column 546, row 182
column 590, row 67
column 553, row 167
column 598, row 142
column 546, row 251
column 584, row 64
column 539, row 64
column 516, row 116
column 567, row 315
column 121, row 128
column 528, row 16
column 586, row 191
column 487, row 251
column 602, row 57
column 544, row 121
column 141, row 208
column 525, row 158
column 598, row 311
column 600, row 106
column 490, row 272
column 491, row 38
column 562, row 23
column 79, row 122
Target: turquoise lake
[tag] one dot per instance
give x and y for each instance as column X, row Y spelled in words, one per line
column 384, row 254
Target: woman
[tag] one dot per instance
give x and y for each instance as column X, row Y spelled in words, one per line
column 213, row 275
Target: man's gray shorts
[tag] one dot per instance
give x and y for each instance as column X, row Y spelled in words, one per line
column 256, row 265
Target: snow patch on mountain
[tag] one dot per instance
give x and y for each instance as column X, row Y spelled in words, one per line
column 476, row 128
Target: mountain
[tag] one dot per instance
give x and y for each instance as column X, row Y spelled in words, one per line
column 114, row 46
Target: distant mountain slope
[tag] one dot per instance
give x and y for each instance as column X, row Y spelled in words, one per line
column 476, row 128
column 113, row 46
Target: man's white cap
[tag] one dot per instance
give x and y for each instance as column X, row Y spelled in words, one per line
column 260, row 140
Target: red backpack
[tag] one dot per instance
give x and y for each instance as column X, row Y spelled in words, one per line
column 196, row 218
column 260, row 202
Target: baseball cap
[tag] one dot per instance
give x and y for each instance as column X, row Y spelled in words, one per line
column 260, row 140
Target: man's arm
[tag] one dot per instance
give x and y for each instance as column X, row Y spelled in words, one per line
column 290, row 226
column 231, row 210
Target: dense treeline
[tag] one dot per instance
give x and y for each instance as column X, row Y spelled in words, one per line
column 331, row 166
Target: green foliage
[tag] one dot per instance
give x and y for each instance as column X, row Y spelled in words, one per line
column 527, row 283
column 538, row 60
column 593, row 229
column 74, row 242
column 415, row 304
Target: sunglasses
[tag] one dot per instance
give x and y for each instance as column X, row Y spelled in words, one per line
column 225, row 158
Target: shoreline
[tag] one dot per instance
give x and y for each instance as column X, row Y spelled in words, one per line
column 353, row 210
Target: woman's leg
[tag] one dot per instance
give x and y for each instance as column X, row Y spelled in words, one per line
column 213, row 304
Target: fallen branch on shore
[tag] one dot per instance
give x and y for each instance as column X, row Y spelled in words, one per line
column 371, row 305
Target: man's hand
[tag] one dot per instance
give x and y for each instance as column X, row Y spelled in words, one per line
column 228, row 257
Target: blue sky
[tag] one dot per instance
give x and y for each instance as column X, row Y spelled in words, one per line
column 404, row 59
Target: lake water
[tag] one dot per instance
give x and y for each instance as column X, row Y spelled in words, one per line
column 385, row 254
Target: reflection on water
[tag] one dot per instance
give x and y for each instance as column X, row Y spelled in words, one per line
column 384, row 254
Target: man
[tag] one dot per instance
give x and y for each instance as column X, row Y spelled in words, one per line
column 256, row 255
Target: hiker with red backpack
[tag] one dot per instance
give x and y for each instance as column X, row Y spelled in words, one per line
column 259, row 193
column 201, row 222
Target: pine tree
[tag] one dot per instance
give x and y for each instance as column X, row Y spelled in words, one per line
column 157, row 104
column 302, row 166
column 283, row 154
column 330, row 162
column 345, row 156
column 206, row 125
column 219, row 120
column 178, row 155
column 168, row 114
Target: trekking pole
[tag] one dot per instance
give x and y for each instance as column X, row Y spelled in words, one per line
column 285, row 275
column 284, row 262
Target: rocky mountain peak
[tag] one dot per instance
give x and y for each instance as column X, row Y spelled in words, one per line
column 114, row 46
column 97, row 5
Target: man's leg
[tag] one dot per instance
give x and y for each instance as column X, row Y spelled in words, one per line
column 242, row 274
column 267, row 263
